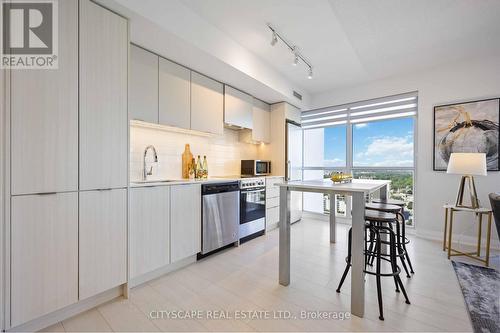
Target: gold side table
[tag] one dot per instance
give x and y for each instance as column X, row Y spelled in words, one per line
column 448, row 231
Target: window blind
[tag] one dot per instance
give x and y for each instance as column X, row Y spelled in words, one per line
column 397, row 106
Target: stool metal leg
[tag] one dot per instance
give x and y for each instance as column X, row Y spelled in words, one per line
column 379, row 286
column 349, row 240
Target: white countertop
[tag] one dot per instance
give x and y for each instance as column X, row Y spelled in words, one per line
column 326, row 185
column 216, row 179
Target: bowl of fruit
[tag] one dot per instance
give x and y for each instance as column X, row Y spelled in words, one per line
column 340, row 177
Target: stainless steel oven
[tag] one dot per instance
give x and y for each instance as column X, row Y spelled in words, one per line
column 255, row 168
column 252, row 208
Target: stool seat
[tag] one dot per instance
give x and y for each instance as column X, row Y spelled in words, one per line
column 378, row 216
column 383, row 207
column 396, row 202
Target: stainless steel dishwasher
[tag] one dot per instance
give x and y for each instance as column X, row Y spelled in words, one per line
column 220, row 215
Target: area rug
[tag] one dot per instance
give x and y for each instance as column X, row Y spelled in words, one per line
column 481, row 290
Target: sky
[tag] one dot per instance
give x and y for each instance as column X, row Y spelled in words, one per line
column 379, row 143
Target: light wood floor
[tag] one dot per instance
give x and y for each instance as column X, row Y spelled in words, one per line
column 245, row 278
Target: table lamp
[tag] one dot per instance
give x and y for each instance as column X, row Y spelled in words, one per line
column 467, row 165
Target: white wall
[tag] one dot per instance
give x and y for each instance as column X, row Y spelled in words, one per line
column 223, row 152
column 462, row 81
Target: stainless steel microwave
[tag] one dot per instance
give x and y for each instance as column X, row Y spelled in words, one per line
column 255, row 168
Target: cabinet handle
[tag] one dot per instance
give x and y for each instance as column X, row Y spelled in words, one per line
column 47, row 193
column 104, row 189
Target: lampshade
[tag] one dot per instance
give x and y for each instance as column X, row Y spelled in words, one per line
column 473, row 164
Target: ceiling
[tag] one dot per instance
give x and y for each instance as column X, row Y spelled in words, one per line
column 352, row 42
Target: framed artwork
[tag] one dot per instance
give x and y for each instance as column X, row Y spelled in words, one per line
column 470, row 127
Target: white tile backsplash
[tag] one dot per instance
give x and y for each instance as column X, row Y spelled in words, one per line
column 223, row 152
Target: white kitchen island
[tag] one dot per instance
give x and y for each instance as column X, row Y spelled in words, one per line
column 358, row 190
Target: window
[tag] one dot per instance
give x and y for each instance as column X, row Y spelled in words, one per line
column 371, row 139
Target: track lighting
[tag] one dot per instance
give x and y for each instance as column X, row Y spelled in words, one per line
column 274, row 40
column 297, row 56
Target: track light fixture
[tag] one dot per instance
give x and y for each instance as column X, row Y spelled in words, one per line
column 274, row 39
column 297, row 56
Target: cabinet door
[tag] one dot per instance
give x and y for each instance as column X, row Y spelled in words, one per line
column 207, row 104
column 185, row 220
column 174, row 99
column 261, row 122
column 149, row 229
column 143, row 85
column 44, row 247
column 103, row 98
column 44, row 113
column 102, row 241
column 237, row 108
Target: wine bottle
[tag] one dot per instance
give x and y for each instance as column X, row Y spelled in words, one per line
column 205, row 167
column 199, row 168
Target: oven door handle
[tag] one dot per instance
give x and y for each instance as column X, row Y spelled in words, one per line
column 253, row 190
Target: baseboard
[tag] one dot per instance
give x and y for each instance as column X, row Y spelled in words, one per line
column 161, row 271
column 69, row 311
column 457, row 238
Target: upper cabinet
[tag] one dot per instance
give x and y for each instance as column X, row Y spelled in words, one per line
column 44, row 109
column 143, row 85
column 261, row 121
column 103, row 98
column 207, row 104
column 237, row 108
column 174, row 99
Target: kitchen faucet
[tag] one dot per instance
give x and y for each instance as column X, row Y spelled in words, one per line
column 150, row 172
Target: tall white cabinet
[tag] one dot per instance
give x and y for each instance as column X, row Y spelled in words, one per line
column 69, row 150
column 103, row 98
column 103, row 149
column 44, row 111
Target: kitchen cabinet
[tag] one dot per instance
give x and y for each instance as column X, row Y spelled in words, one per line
column 44, row 123
column 185, row 220
column 261, row 114
column 261, row 131
column 207, row 104
column 44, row 254
column 149, row 229
column 102, row 241
column 103, row 98
column 174, row 94
column 143, row 85
column 237, row 108
column 272, row 202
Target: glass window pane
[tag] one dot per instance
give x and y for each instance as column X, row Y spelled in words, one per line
column 383, row 143
column 325, row 147
column 401, row 187
column 335, row 146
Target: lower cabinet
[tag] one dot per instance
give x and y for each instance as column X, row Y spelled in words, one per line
column 273, row 201
column 44, row 254
column 102, row 241
column 185, row 221
column 149, row 229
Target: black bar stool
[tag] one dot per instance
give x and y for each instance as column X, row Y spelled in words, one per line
column 376, row 225
column 405, row 240
column 396, row 210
